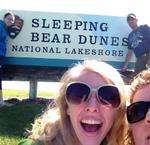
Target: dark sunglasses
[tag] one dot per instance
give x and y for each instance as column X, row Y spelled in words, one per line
column 137, row 111
column 78, row 92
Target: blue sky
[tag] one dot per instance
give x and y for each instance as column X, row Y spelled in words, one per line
column 98, row 7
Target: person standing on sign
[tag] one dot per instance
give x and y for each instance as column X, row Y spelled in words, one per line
column 8, row 21
column 139, row 44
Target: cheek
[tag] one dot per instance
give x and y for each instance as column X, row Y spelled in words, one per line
column 110, row 117
column 73, row 113
column 72, row 110
column 111, row 113
column 136, row 129
column 137, row 132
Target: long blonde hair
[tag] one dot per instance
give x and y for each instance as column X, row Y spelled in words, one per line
column 61, row 131
column 139, row 81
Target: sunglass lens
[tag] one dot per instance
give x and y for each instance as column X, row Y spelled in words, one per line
column 110, row 95
column 76, row 92
column 137, row 111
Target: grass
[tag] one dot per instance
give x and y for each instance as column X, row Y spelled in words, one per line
column 16, row 119
column 22, row 94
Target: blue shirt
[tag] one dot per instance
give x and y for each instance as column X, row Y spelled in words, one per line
column 3, row 37
column 139, row 40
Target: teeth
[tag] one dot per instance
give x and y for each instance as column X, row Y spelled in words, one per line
column 90, row 121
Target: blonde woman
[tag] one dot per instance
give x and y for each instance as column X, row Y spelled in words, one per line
column 138, row 112
column 90, row 109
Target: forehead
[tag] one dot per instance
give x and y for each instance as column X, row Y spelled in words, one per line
column 9, row 17
column 130, row 19
column 92, row 78
column 142, row 94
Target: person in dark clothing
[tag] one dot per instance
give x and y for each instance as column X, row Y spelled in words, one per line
column 139, row 44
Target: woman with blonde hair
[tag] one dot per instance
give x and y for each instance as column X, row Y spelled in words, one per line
column 138, row 112
column 90, row 109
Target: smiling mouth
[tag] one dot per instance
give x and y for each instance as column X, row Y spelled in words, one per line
column 91, row 125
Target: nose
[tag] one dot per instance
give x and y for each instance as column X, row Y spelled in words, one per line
column 147, row 118
column 92, row 104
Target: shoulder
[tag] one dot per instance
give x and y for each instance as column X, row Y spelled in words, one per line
column 144, row 26
column 29, row 142
column 130, row 34
column 2, row 23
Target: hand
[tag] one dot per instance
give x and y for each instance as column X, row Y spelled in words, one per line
column 148, row 64
column 124, row 69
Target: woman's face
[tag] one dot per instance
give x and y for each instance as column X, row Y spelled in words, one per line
column 141, row 129
column 9, row 20
column 91, row 119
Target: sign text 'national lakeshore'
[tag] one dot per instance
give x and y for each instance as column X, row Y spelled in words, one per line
column 59, row 39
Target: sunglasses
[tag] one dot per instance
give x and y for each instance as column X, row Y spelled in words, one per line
column 78, row 92
column 137, row 111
